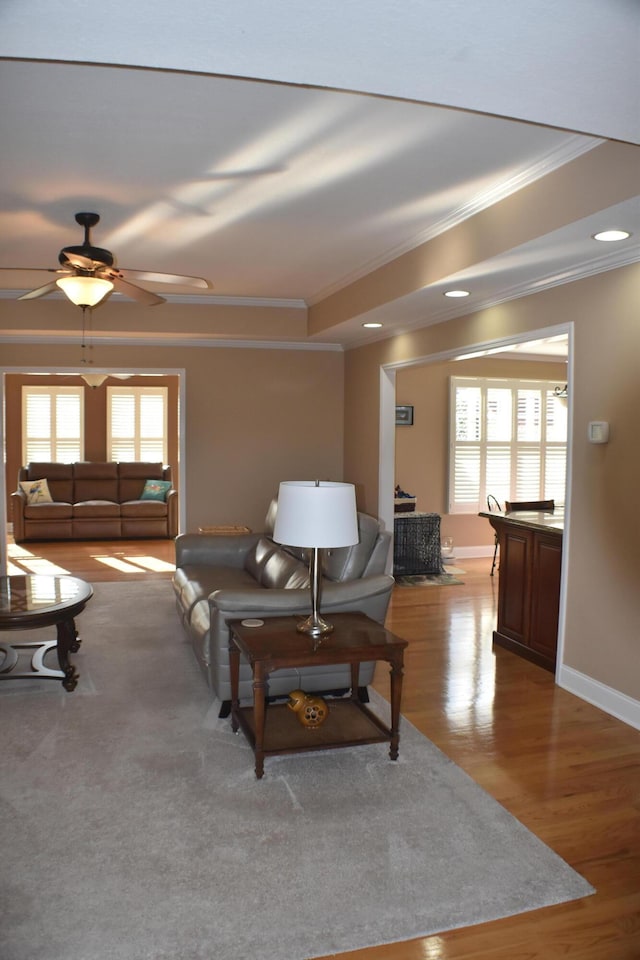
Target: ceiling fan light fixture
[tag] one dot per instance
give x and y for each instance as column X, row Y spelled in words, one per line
column 94, row 380
column 85, row 291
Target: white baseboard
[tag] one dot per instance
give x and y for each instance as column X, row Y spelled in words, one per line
column 617, row 704
column 471, row 552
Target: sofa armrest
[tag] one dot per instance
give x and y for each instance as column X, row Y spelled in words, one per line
column 18, row 503
column 212, row 550
column 172, row 513
column 349, row 594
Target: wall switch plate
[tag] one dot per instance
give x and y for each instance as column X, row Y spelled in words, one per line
column 598, row 431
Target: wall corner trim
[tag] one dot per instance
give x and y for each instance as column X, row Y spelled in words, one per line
column 617, row 704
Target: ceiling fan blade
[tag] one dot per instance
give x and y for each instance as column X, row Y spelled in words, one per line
column 175, row 278
column 34, row 270
column 83, row 263
column 135, row 293
column 40, row 291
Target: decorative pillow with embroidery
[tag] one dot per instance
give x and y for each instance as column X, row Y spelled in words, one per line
column 155, row 489
column 37, row 491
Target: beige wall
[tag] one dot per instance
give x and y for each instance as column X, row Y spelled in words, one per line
column 252, row 418
column 421, row 461
column 602, row 635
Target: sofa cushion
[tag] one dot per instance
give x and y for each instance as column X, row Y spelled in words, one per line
column 37, row 491
column 48, row 511
column 348, row 563
column 95, row 481
column 59, row 478
column 133, row 475
column 135, row 509
column 282, row 571
column 257, row 557
column 96, row 508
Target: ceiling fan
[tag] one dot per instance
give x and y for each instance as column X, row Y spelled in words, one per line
column 89, row 273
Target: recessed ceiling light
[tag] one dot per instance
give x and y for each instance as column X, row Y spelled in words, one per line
column 371, row 325
column 609, row 236
column 456, row 293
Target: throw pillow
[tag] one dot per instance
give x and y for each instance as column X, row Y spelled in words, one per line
column 37, row 491
column 155, row 489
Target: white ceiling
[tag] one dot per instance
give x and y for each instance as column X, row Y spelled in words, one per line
column 278, row 195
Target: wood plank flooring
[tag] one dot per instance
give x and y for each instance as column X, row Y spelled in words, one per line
column 565, row 769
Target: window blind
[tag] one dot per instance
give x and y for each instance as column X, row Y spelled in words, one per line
column 52, row 424
column 507, row 438
column 137, row 423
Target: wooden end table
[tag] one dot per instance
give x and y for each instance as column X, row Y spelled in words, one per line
column 277, row 644
column 31, row 602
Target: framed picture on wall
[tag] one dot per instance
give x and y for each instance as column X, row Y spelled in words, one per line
column 404, row 416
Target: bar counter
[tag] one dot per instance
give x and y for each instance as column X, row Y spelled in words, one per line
column 530, row 550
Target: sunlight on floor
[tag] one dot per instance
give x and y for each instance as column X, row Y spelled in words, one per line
column 135, row 564
column 14, row 550
column 30, row 564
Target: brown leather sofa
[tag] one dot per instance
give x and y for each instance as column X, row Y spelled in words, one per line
column 94, row 500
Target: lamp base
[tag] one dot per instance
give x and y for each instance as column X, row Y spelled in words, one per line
column 314, row 626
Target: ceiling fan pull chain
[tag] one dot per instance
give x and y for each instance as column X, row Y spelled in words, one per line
column 83, row 346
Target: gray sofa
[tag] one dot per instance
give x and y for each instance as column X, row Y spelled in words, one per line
column 220, row 578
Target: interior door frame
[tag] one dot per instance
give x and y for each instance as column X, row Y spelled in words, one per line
column 386, row 458
column 166, row 372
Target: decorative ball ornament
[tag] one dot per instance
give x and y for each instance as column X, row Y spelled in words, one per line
column 310, row 710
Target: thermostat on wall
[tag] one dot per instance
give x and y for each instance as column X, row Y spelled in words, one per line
column 598, row 431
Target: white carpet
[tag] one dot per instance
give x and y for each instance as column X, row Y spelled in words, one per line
column 132, row 826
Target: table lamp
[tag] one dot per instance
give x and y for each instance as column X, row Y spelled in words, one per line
column 316, row 514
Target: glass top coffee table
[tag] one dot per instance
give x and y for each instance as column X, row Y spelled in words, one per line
column 31, row 602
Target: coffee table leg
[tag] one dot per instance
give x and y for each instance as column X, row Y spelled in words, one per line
column 259, row 706
column 355, row 679
column 234, row 673
column 67, row 641
column 397, row 670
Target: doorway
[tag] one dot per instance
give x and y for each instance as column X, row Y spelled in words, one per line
column 11, row 438
column 505, row 348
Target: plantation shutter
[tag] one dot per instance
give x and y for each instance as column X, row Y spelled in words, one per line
column 137, row 423
column 508, row 438
column 52, row 424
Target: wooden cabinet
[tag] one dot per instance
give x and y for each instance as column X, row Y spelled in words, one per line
column 529, row 587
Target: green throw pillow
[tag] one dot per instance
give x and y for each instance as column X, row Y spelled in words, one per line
column 156, row 489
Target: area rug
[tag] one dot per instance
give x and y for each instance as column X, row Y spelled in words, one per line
column 428, row 580
column 132, row 826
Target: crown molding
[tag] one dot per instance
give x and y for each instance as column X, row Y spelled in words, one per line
column 192, row 299
column 171, row 341
column 570, row 150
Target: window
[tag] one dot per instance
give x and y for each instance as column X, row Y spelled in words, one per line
column 507, row 438
column 137, row 423
column 52, row 424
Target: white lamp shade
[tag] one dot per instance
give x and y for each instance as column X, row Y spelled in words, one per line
column 85, row 291
column 314, row 514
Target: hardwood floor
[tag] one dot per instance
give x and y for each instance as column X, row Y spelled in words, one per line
column 95, row 560
column 565, row 769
